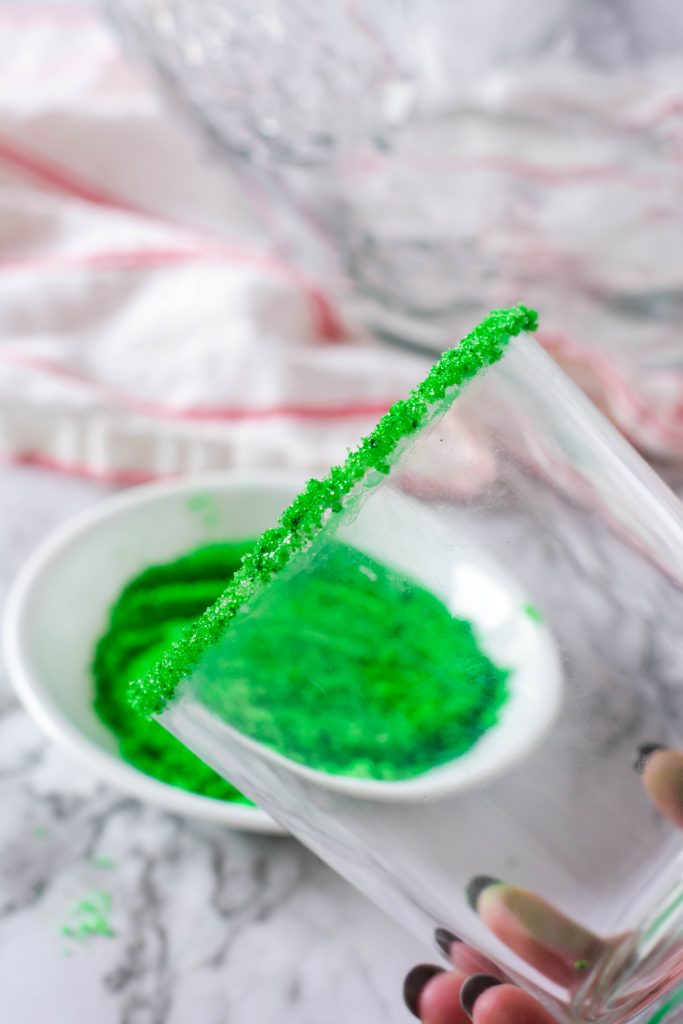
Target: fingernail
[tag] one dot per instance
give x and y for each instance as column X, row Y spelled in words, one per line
column 473, row 988
column 415, row 982
column 645, row 752
column 445, row 939
column 476, row 886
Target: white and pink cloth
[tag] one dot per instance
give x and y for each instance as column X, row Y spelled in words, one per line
column 149, row 325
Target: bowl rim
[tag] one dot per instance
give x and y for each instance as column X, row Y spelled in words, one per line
column 48, row 715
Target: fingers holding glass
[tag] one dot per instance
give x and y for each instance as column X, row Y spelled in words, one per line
column 433, row 995
column 661, row 770
column 464, row 958
column 487, row 1001
column 535, row 930
column 440, row 997
column 549, row 940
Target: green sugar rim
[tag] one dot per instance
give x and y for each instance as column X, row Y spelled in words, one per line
column 320, row 499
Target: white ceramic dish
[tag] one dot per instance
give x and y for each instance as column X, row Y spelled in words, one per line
column 60, row 601
column 59, row 604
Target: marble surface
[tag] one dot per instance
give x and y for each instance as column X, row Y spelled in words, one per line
column 210, row 926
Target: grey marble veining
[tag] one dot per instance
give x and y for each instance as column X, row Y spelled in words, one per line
column 211, row 926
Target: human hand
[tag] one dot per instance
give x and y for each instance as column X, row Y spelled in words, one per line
column 557, row 946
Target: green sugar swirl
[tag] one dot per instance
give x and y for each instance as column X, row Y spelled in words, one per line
column 352, row 668
column 320, row 499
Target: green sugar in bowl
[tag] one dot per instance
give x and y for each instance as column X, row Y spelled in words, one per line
column 139, row 567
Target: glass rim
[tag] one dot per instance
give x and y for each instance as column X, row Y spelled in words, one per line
column 322, row 499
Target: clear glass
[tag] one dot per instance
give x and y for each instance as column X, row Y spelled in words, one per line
column 447, row 158
column 524, row 511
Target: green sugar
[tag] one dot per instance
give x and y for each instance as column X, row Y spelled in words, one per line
column 90, row 917
column 152, row 611
column 352, row 668
column 349, row 667
column 532, row 612
column 320, row 499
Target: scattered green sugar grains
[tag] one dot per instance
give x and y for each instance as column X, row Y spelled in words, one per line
column 349, row 666
column 89, row 918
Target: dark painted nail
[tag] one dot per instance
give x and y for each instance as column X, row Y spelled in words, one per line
column 476, row 886
column 415, row 982
column 645, row 752
column 445, row 939
column 473, row 988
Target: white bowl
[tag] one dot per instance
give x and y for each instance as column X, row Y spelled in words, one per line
column 59, row 605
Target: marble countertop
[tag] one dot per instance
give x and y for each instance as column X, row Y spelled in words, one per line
column 211, row 926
